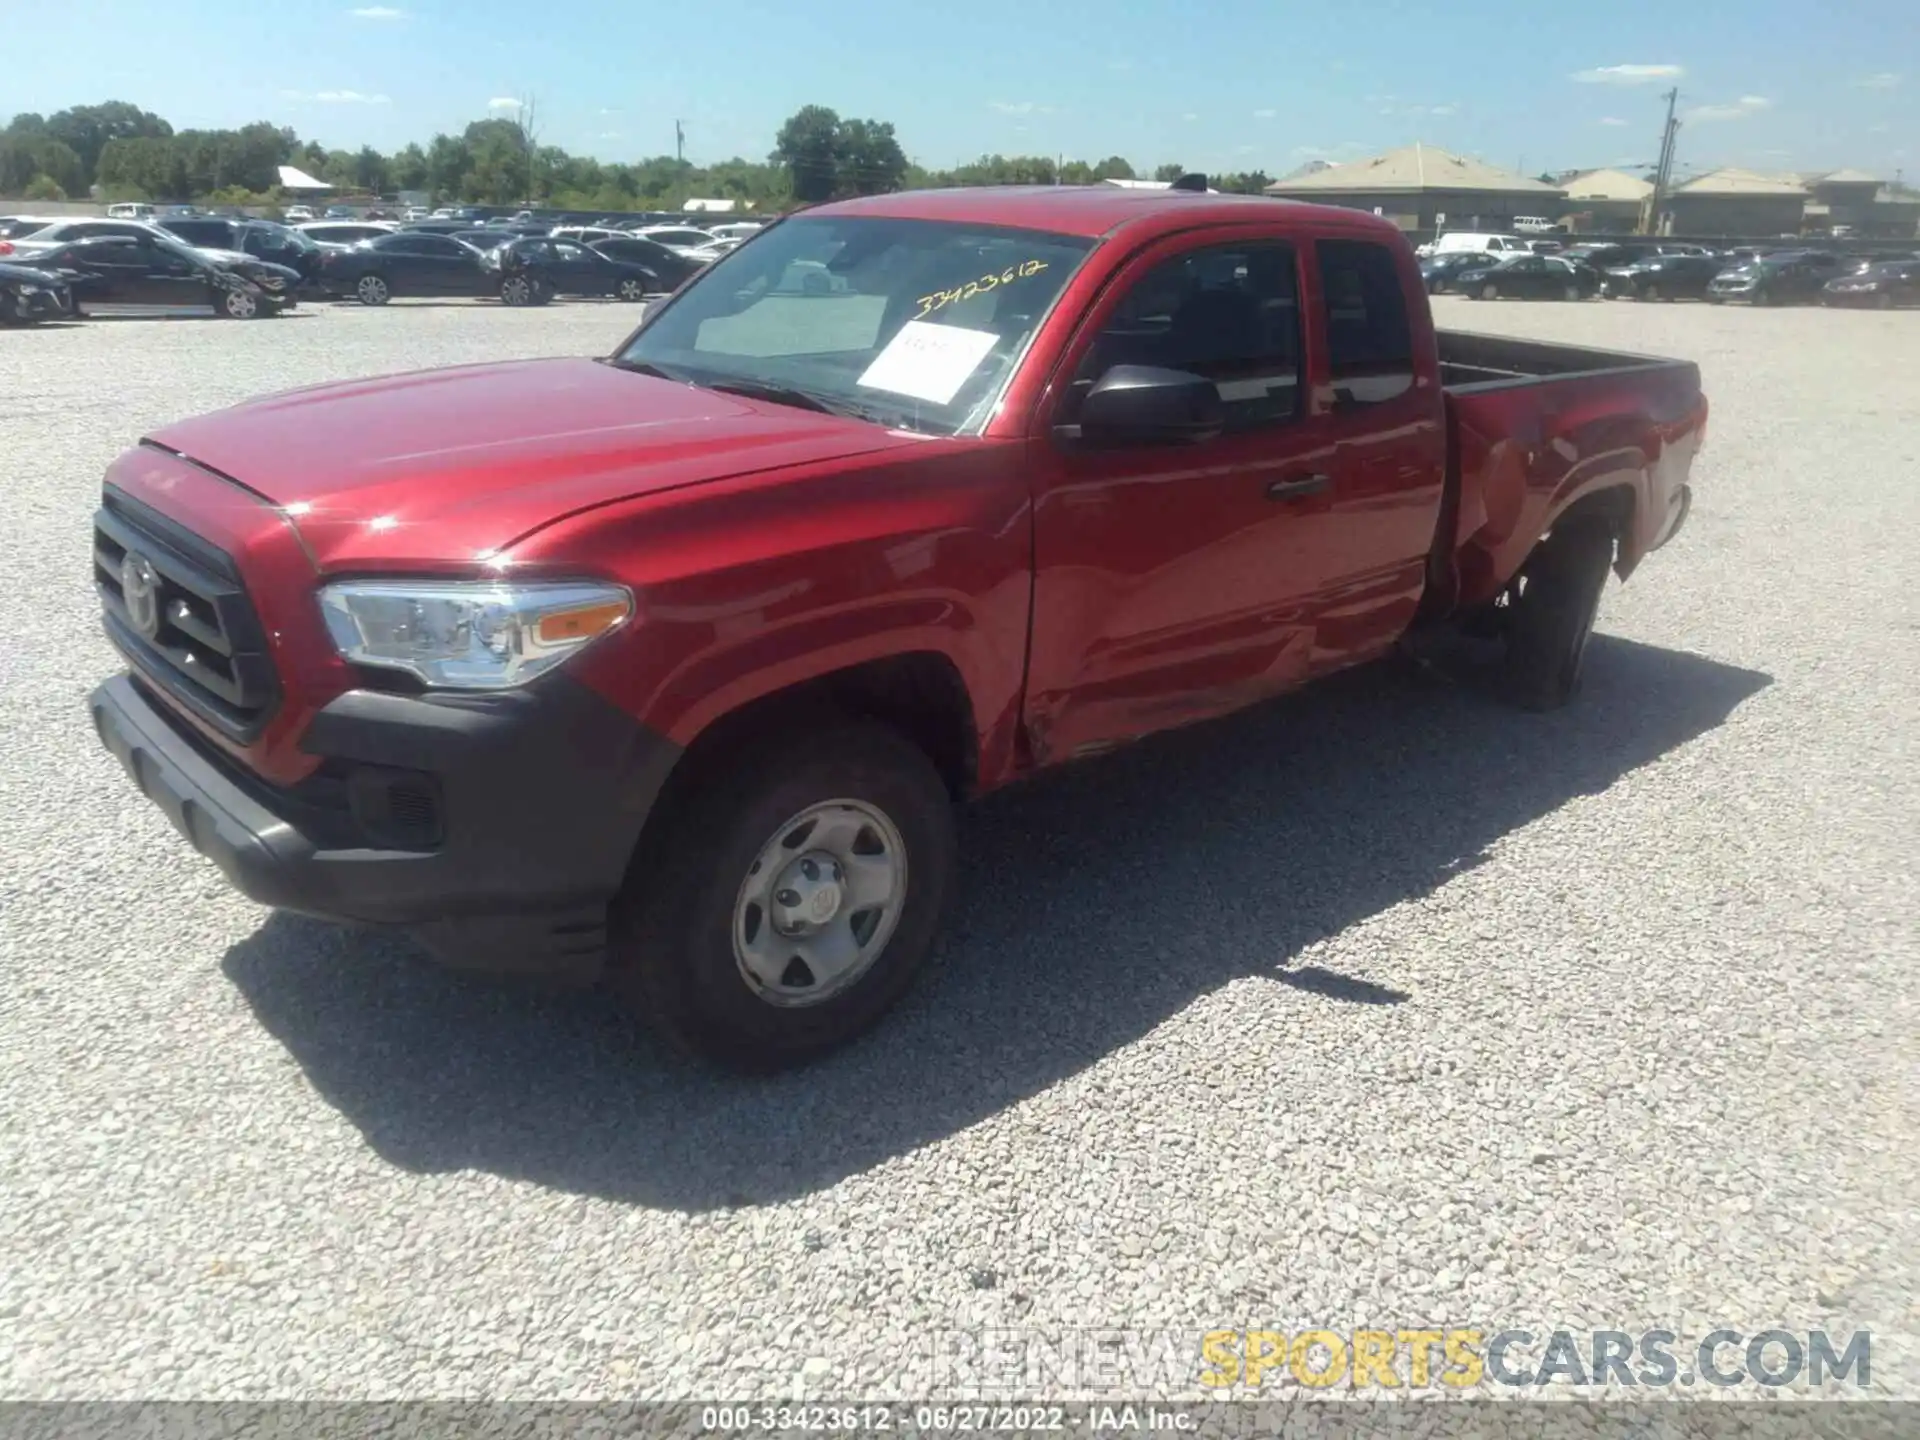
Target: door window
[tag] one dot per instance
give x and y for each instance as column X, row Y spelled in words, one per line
column 1230, row 313
column 1369, row 338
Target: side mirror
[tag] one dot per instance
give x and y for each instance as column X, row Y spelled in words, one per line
column 1146, row 405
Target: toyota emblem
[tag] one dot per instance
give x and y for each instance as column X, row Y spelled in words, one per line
column 140, row 589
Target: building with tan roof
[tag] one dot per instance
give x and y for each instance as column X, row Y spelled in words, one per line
column 1424, row 187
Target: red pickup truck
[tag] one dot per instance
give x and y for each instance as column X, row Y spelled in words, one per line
column 666, row 666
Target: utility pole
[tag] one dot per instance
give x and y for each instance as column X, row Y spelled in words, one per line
column 679, row 143
column 1663, row 171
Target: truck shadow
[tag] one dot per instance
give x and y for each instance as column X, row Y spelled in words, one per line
column 1096, row 904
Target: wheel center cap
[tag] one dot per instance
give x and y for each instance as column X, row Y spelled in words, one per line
column 808, row 894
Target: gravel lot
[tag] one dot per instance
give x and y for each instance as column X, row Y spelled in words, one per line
column 1381, row 1006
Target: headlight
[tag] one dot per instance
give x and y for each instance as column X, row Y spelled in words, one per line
column 31, row 289
column 469, row 635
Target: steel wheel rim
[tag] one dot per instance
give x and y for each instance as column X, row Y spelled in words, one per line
column 631, row 289
column 516, row 292
column 372, row 289
column 819, row 903
column 240, row 305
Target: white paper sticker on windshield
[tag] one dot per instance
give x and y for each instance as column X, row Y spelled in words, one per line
column 928, row 362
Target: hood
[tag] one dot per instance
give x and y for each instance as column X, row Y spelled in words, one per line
column 30, row 275
column 434, row 468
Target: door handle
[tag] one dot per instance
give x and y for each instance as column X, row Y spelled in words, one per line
column 1294, row 489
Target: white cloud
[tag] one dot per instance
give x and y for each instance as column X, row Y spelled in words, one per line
column 1189, row 116
column 1611, row 120
column 1120, row 66
column 503, row 102
column 609, row 135
column 1444, row 110
column 377, row 12
column 1885, row 80
column 1243, row 149
column 338, row 97
column 1628, row 74
column 1265, row 114
column 1019, row 107
column 1878, row 129
column 1740, row 109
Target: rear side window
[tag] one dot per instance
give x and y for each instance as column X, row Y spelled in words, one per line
column 1369, row 338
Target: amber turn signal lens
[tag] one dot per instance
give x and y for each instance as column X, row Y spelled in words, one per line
column 584, row 623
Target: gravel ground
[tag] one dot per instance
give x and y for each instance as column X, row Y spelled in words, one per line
column 1382, row 1006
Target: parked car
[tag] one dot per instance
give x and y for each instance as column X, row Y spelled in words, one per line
column 343, row 233
column 416, row 212
column 43, row 231
column 1663, row 277
column 1439, row 271
column 737, row 229
column 338, row 212
column 299, row 212
column 408, row 263
column 129, row 210
column 1605, row 255
column 563, row 267
column 32, row 293
column 684, row 238
column 669, row 268
column 263, row 239
column 585, row 234
column 1884, row 286
column 676, row 660
column 1483, row 242
column 155, row 274
column 1780, row 278
column 1530, row 277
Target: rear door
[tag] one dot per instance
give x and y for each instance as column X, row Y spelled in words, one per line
column 446, row 267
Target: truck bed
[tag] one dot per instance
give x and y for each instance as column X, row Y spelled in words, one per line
column 1534, row 427
column 1473, row 362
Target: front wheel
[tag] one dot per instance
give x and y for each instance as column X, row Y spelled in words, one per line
column 1550, row 613
column 516, row 290
column 632, row 290
column 238, row 305
column 1652, row 292
column 372, row 290
column 1760, row 297
column 1572, row 292
column 1489, row 292
column 787, row 907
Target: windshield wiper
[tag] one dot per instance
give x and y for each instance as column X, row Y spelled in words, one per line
column 777, row 394
column 645, row 367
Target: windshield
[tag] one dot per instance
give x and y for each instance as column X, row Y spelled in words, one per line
column 913, row 323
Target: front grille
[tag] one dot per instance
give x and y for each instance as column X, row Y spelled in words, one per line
column 202, row 642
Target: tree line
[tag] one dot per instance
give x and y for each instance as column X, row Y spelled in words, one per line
column 125, row 153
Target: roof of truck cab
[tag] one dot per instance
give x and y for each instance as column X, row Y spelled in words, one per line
column 1091, row 210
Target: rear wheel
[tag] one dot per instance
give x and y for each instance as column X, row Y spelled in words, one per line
column 1489, row 292
column 632, row 289
column 1572, row 292
column 1551, row 608
column 791, row 903
column 372, row 290
column 1652, row 292
column 516, row 290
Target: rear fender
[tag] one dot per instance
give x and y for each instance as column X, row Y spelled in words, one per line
column 1526, row 466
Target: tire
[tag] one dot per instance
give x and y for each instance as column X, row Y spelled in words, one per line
column 516, row 290
column 689, row 932
column 372, row 290
column 1652, row 292
column 631, row 290
column 1760, row 297
column 1551, row 610
column 1489, row 292
column 238, row 305
column 1572, row 292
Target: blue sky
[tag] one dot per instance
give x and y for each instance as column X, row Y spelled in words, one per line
column 1220, row 85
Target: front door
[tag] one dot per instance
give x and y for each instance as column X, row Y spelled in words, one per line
column 1174, row 581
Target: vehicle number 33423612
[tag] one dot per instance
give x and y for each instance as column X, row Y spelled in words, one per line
column 940, row 299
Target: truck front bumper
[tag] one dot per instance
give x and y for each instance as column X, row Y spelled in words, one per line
column 495, row 828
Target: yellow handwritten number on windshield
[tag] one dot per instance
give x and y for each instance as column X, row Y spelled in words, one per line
column 940, row 299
